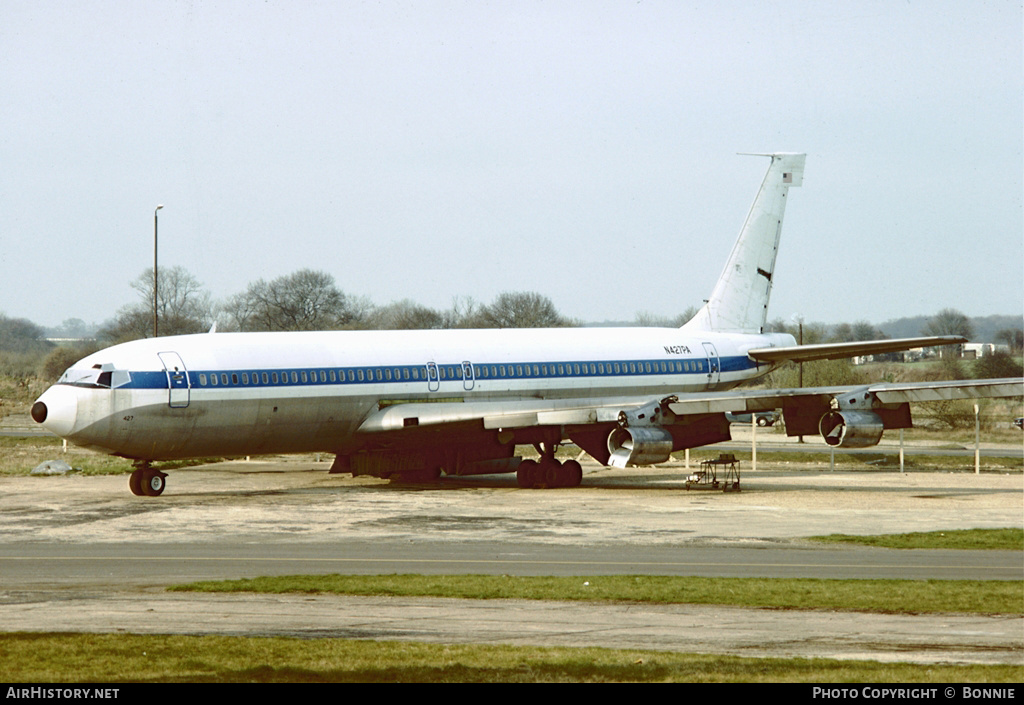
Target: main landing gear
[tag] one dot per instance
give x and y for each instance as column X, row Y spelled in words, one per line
column 548, row 473
column 146, row 481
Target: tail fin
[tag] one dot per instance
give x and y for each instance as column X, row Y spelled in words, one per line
column 739, row 301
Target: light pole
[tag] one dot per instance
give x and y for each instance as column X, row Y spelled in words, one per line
column 800, row 366
column 155, row 334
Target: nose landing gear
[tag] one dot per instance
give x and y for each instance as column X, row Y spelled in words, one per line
column 146, row 481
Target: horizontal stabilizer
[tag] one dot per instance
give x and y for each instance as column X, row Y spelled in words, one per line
column 835, row 351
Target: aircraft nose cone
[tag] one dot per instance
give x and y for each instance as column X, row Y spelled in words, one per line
column 39, row 412
column 56, row 410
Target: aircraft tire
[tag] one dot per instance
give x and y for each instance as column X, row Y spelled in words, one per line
column 526, row 475
column 135, row 483
column 572, row 473
column 153, row 483
column 552, row 474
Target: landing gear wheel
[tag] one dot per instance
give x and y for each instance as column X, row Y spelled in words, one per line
column 526, row 475
column 572, row 473
column 135, row 482
column 552, row 475
column 153, row 482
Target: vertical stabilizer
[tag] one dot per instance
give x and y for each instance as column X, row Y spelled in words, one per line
column 739, row 302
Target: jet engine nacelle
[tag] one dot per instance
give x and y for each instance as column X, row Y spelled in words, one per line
column 851, row 429
column 639, row 445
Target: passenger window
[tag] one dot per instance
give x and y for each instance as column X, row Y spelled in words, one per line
column 202, row 379
column 224, row 378
column 234, row 378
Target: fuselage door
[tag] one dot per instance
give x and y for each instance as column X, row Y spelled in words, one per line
column 177, row 380
column 714, row 366
column 433, row 378
column 468, row 378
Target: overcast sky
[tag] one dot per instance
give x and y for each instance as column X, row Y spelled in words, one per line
column 584, row 150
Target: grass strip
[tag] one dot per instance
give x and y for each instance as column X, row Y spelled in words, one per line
column 959, row 539
column 884, row 596
column 133, row 658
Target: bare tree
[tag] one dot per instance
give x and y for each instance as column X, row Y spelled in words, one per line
column 812, row 332
column 949, row 321
column 303, row 300
column 649, row 320
column 859, row 330
column 465, row 312
column 404, row 315
column 183, row 306
column 1013, row 337
column 862, row 330
column 522, row 310
column 21, row 335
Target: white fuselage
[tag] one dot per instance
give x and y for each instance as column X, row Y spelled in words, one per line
column 256, row 393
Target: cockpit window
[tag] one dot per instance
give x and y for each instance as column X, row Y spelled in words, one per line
column 97, row 376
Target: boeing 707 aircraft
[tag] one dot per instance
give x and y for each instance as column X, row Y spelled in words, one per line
column 414, row 404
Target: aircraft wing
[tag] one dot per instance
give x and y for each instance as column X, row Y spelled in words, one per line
column 562, row 412
column 500, row 414
column 739, row 400
column 645, row 430
column 833, row 351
